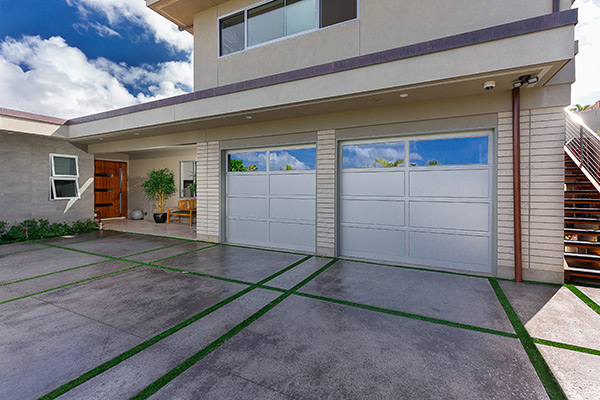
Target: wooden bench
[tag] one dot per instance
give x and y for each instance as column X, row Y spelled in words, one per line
column 185, row 208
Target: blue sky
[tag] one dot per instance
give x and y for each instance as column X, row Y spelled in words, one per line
column 69, row 58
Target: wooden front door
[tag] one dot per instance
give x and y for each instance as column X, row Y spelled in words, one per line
column 110, row 188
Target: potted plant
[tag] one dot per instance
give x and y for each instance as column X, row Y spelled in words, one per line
column 158, row 187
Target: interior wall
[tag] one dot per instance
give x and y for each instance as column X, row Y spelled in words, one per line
column 140, row 164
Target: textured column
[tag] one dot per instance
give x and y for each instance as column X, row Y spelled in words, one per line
column 326, row 194
column 208, row 219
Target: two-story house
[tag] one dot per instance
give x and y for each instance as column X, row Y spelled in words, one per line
column 377, row 129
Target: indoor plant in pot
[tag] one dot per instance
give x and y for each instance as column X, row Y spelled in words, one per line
column 158, row 187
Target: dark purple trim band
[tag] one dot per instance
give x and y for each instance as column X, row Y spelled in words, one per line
column 35, row 117
column 504, row 31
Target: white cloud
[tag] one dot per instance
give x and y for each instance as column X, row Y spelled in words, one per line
column 101, row 30
column 48, row 76
column 281, row 159
column 586, row 89
column 136, row 12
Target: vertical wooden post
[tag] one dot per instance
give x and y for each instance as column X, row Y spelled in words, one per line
column 516, row 111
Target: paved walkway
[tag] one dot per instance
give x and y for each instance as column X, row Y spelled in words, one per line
column 113, row 315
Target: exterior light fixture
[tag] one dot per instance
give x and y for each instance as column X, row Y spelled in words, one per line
column 532, row 80
column 404, row 95
column 248, row 117
column 525, row 79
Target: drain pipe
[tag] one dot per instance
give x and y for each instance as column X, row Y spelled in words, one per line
column 516, row 121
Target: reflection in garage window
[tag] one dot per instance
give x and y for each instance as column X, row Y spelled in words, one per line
column 373, row 155
column 247, row 162
column 460, row 151
column 290, row 160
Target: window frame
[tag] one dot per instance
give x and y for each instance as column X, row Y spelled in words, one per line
column 61, row 177
column 181, row 188
column 285, row 37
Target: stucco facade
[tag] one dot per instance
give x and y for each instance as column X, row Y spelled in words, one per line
column 395, row 73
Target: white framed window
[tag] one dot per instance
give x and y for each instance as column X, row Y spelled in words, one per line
column 187, row 179
column 273, row 20
column 64, row 171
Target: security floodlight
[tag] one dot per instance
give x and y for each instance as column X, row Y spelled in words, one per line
column 532, row 80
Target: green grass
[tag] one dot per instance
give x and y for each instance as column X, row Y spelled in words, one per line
column 583, row 297
column 52, row 273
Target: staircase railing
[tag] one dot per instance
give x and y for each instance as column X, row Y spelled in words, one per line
column 583, row 146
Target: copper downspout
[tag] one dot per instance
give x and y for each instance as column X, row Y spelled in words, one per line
column 555, row 6
column 516, row 110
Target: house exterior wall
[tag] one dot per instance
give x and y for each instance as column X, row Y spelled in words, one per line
column 382, row 25
column 25, row 180
column 138, row 167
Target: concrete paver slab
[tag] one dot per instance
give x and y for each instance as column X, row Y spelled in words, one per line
column 134, row 374
column 249, row 265
column 120, row 246
column 43, row 347
column 308, row 348
column 18, row 247
column 129, row 377
column 143, row 301
column 61, row 278
column 25, row 265
column 554, row 313
column 591, row 292
column 297, row 274
column 204, row 383
column 200, row 334
column 455, row 298
column 576, row 372
column 80, row 237
column 169, row 252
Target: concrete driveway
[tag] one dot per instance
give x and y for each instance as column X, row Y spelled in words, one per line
column 108, row 315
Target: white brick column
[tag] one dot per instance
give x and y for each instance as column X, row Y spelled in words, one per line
column 326, row 195
column 208, row 193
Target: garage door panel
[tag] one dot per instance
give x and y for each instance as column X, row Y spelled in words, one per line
column 372, row 243
column 450, row 247
column 373, row 183
column 292, row 236
column 375, row 212
column 450, row 183
column 292, row 184
column 243, row 231
column 449, row 215
column 247, row 184
column 247, row 207
column 297, row 209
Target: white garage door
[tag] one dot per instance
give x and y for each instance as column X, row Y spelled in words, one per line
column 424, row 201
column 271, row 198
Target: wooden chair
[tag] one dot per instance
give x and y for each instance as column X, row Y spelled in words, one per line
column 185, row 208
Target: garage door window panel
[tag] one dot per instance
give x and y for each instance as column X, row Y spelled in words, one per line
column 456, row 151
column 247, row 162
column 373, row 155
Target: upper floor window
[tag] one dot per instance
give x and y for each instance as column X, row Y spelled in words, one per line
column 279, row 18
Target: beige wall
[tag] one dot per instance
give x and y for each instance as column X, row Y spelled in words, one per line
column 141, row 163
column 383, row 24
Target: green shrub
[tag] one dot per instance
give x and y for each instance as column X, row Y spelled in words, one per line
column 31, row 229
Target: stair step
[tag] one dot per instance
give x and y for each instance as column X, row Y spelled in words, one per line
column 582, row 273
column 582, row 201
column 575, row 175
column 582, row 191
column 572, row 168
column 582, row 257
column 569, row 220
column 581, row 210
column 582, row 243
column 579, row 183
column 579, row 231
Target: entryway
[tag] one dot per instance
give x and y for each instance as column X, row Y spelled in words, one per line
column 110, row 188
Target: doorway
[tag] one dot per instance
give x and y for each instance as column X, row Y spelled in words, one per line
column 110, row 188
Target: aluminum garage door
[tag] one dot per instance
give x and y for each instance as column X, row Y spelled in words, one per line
column 421, row 201
column 271, row 198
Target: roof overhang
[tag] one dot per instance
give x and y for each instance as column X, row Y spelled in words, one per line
column 181, row 12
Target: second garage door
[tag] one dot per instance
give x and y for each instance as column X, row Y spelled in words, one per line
column 423, row 200
column 271, row 198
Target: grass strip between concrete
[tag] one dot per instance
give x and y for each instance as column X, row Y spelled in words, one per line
column 158, row 248
column 52, row 273
column 583, row 297
column 187, row 252
column 409, row 315
column 157, row 338
column 69, row 284
column 567, row 346
column 184, row 366
column 546, row 376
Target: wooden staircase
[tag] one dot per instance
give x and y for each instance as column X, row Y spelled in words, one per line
column 582, row 225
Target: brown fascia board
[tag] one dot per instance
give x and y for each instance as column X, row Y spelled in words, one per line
column 30, row 116
column 504, row 31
